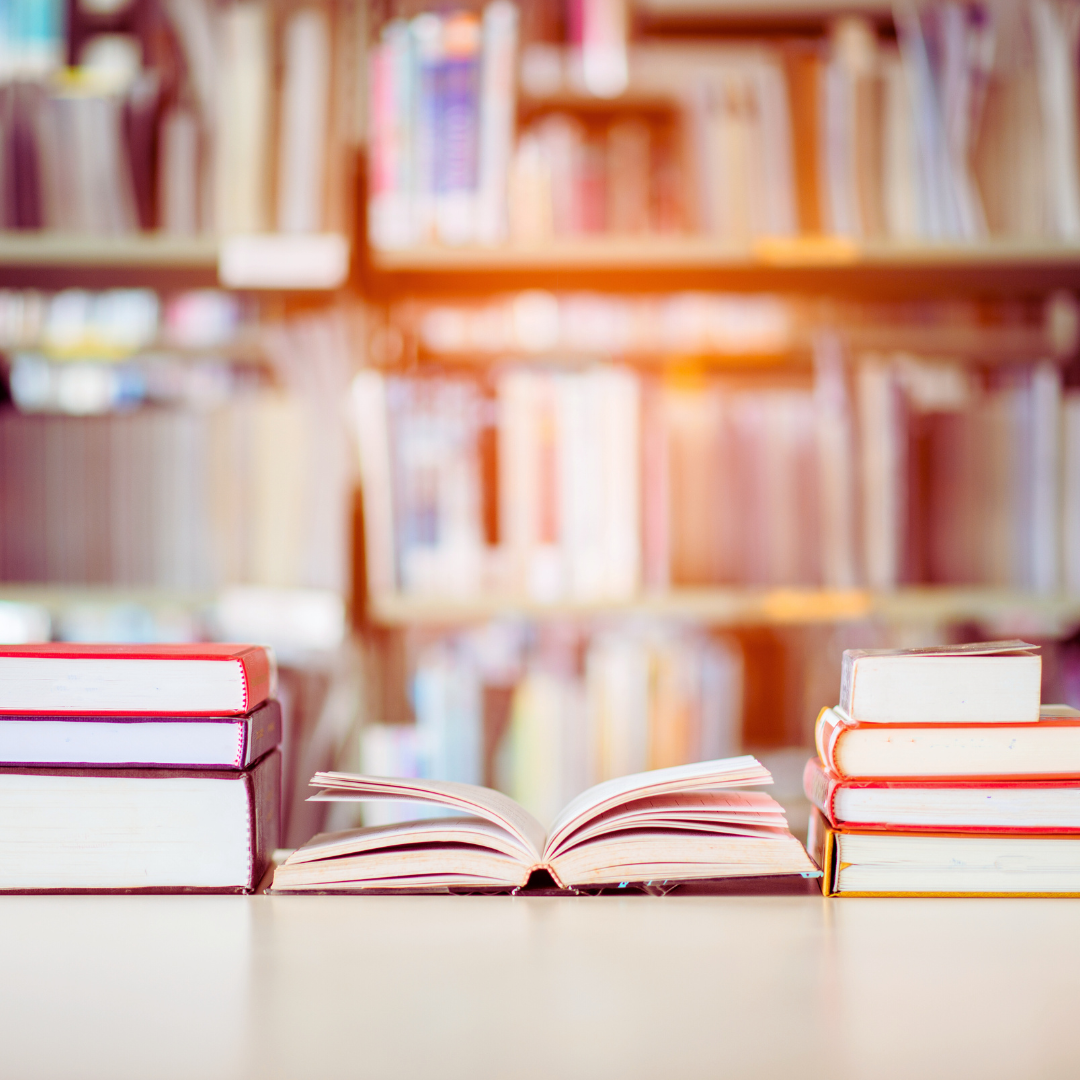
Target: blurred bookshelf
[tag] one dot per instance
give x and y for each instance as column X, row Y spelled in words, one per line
column 277, row 262
column 719, row 607
column 826, row 265
column 620, row 378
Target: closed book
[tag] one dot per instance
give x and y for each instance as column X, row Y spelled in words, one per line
column 1049, row 749
column 1042, row 806
column 138, row 830
column 181, row 680
column 993, row 682
column 863, row 862
column 157, row 740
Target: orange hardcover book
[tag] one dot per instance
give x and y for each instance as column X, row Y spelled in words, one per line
column 864, row 863
column 1035, row 807
column 1047, row 749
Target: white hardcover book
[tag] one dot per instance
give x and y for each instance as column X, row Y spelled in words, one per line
column 994, row 682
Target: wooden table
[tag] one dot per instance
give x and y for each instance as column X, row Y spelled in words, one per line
column 220, row 986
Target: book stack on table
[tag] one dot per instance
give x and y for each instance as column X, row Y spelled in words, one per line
column 940, row 774
column 126, row 768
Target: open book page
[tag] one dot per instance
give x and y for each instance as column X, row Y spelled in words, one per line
column 465, row 830
column 662, row 855
column 735, row 813
column 468, row 798
column 701, row 775
column 444, row 864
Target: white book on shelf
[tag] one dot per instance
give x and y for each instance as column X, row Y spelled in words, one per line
column 179, row 172
column 369, row 412
column 304, row 130
column 391, row 122
column 1056, row 35
column 242, row 152
column 1070, row 506
column 836, row 462
column 1045, row 484
column 498, row 85
column 621, row 449
column 426, row 33
column 900, row 165
column 882, row 467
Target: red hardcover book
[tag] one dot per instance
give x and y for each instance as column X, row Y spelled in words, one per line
column 1043, row 807
column 135, row 680
column 1047, row 749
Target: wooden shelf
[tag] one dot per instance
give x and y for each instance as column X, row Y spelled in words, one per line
column 826, row 265
column 56, row 260
column 1024, row 612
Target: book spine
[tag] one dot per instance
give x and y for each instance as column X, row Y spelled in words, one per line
column 427, row 46
column 819, row 788
column 262, row 733
column 497, row 112
column 264, row 793
column 457, row 131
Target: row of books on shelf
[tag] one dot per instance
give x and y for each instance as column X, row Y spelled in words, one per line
column 593, row 482
column 112, row 324
column 964, row 127
column 229, row 472
column 544, row 717
column 175, row 119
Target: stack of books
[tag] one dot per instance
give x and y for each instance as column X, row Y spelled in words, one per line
column 152, row 768
column 940, row 774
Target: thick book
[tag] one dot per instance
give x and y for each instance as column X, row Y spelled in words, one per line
column 662, row 828
column 179, row 680
column 155, row 740
column 1049, row 748
column 1041, row 806
column 857, row 862
column 138, row 830
column 990, row 682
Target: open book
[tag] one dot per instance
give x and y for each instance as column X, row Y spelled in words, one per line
column 680, row 824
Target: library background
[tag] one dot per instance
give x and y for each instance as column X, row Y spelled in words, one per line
column 558, row 387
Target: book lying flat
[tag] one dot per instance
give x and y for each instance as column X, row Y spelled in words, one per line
column 191, row 680
column 1041, row 806
column 990, row 682
column 126, row 830
column 210, row 742
column 868, row 863
column 1049, row 748
column 683, row 824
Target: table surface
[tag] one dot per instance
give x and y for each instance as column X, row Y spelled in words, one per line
column 268, row 986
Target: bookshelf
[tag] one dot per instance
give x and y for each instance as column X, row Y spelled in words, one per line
column 809, row 265
column 734, row 607
column 318, row 263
